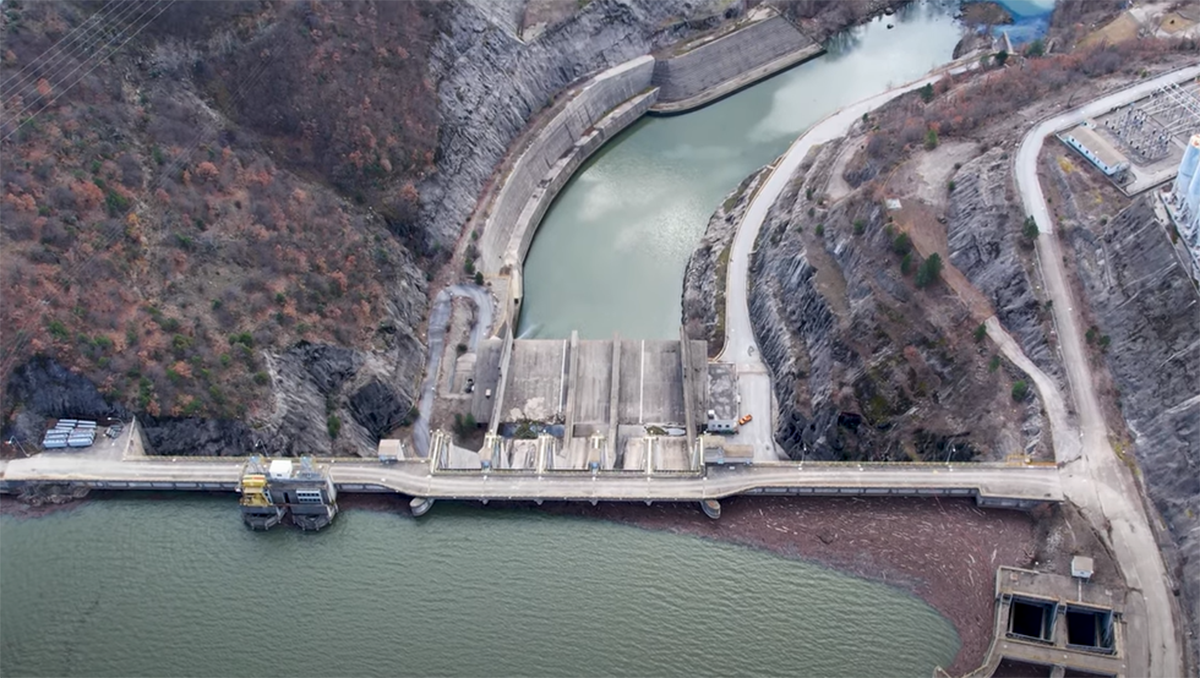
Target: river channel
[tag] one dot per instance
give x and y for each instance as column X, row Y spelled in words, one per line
column 126, row 587
column 610, row 254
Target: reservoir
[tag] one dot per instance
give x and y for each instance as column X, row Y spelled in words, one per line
column 610, row 254
column 134, row 587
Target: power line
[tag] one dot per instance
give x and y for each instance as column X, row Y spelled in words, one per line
column 22, row 334
column 81, row 50
column 64, row 90
column 83, row 25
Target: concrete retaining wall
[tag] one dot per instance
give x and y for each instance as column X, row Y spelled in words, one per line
column 698, row 74
column 559, row 148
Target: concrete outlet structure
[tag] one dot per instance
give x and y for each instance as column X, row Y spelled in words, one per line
column 591, row 404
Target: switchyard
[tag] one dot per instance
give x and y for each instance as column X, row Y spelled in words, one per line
column 1139, row 145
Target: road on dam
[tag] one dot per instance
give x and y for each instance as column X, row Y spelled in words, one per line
column 998, row 482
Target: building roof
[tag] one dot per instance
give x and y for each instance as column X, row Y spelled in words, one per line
column 1098, row 145
column 280, row 468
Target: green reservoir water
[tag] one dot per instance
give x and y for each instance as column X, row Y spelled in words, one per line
column 611, row 252
column 135, row 587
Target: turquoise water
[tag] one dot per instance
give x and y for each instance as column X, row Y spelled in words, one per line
column 1031, row 19
column 129, row 587
column 611, row 252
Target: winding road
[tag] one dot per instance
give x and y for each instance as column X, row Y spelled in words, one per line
column 1094, row 478
column 741, row 348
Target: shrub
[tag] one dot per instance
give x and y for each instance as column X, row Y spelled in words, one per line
column 902, row 244
column 980, row 333
column 926, row 92
column 1001, row 57
column 1020, row 390
column 929, row 270
column 460, row 349
column 859, row 226
column 931, row 140
column 820, row 231
column 479, row 278
column 1090, row 335
column 334, row 425
column 906, row 263
column 994, row 364
column 1030, row 228
column 1036, row 49
column 261, row 378
column 950, row 186
column 469, row 267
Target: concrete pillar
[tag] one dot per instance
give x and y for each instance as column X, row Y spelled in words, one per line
column 614, row 400
column 572, row 380
column 685, row 359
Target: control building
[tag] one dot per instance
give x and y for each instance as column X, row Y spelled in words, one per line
column 1184, row 201
column 306, row 494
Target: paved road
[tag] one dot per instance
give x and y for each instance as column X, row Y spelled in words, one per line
column 741, row 348
column 1094, row 478
column 439, row 319
column 1037, row 483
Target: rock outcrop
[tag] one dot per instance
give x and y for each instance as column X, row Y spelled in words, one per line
column 864, row 364
column 983, row 236
column 1144, row 305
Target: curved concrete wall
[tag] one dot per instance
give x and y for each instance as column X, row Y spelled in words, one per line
column 558, row 149
column 730, row 59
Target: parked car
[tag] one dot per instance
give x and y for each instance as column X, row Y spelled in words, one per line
column 745, row 420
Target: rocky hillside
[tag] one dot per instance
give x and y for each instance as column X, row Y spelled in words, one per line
column 873, row 357
column 1144, row 306
column 227, row 225
column 985, row 242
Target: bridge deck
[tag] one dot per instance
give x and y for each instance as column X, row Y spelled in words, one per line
column 992, row 483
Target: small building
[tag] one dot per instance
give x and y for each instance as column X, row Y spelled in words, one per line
column 306, row 494
column 721, row 426
column 1082, row 567
column 1096, row 149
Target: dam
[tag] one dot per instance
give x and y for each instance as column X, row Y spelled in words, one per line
column 88, row 591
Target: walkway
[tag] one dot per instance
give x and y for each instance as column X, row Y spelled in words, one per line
column 1094, row 478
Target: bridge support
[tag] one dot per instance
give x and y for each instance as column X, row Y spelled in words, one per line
column 420, row 506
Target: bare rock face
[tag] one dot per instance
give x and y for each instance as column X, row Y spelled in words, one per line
column 50, row 390
column 703, row 281
column 1145, row 304
column 378, row 409
column 490, row 85
column 866, row 366
column 983, row 237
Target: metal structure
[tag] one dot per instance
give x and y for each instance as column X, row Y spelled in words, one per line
column 1149, row 127
column 70, row 433
column 306, row 494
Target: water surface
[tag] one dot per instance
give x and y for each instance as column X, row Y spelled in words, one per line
column 129, row 587
column 610, row 254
